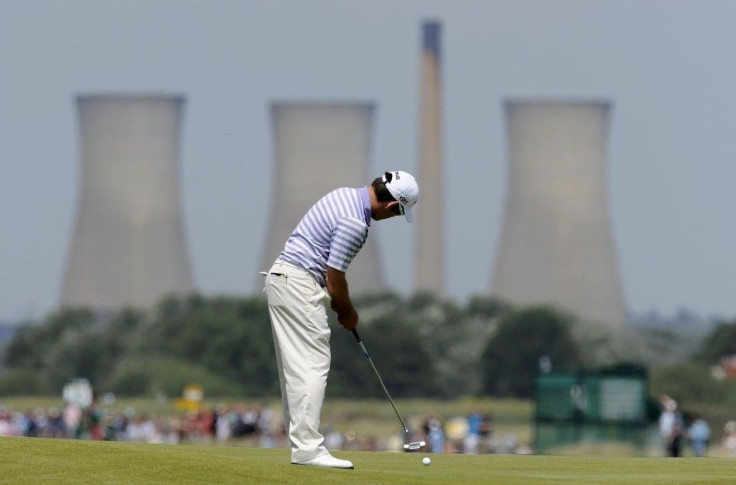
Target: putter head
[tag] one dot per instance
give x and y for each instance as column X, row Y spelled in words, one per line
column 414, row 446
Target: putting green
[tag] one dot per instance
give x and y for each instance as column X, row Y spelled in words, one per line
column 40, row 460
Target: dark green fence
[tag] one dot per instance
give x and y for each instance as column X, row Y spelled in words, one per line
column 601, row 406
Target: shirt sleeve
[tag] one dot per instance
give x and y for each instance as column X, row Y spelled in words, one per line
column 348, row 237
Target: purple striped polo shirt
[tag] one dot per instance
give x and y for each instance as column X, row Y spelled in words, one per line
column 331, row 232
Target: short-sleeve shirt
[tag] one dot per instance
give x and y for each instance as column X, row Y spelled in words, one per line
column 331, row 232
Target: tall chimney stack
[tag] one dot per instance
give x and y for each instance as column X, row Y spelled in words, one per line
column 429, row 237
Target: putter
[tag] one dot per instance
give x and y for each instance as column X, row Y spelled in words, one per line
column 414, row 445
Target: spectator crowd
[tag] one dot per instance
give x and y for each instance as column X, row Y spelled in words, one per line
column 225, row 423
column 258, row 425
column 204, row 425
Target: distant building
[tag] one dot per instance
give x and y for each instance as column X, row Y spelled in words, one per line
column 128, row 247
column 556, row 245
column 318, row 147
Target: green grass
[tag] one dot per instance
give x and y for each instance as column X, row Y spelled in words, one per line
column 39, row 460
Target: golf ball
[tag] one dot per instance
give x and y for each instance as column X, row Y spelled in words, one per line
column 426, row 461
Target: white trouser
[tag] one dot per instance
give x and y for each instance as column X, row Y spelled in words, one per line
column 301, row 335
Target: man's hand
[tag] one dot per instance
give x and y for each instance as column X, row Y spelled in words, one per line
column 349, row 320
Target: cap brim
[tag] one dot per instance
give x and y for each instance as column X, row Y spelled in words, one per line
column 409, row 215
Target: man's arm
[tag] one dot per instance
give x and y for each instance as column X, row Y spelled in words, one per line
column 337, row 287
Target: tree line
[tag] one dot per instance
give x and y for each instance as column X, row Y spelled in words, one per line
column 423, row 346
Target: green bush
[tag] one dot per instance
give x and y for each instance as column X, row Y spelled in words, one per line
column 511, row 359
column 21, row 382
column 687, row 381
column 129, row 378
column 720, row 343
column 151, row 376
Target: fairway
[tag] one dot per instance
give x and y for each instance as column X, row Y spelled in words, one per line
column 40, row 460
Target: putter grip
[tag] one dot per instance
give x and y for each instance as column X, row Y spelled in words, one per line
column 365, row 351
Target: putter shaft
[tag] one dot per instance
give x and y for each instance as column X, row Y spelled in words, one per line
column 367, row 356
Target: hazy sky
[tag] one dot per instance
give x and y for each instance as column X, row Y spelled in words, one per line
column 668, row 67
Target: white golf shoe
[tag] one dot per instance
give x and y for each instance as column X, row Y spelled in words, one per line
column 327, row 461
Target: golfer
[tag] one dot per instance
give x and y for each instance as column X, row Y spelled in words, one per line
column 310, row 272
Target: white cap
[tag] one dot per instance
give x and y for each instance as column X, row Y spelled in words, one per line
column 404, row 189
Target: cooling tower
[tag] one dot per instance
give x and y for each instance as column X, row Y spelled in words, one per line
column 128, row 246
column 556, row 245
column 429, row 258
column 319, row 147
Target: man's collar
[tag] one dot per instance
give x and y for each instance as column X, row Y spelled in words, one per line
column 366, row 198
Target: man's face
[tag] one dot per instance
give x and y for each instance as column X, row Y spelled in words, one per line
column 386, row 210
